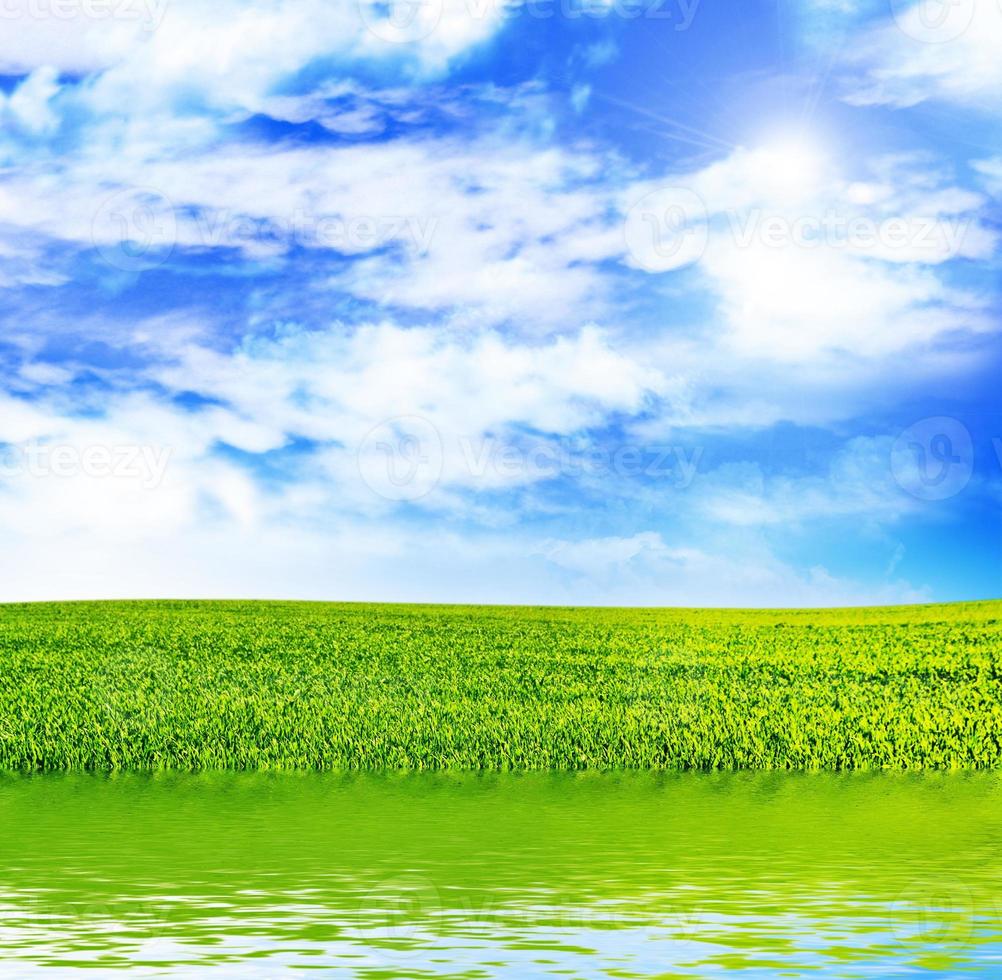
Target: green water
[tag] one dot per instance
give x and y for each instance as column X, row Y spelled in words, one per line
column 508, row 876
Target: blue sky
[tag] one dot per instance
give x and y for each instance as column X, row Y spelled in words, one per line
column 567, row 301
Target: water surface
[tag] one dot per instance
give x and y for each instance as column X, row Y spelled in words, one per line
column 500, row 876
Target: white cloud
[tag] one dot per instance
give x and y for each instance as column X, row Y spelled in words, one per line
column 580, row 95
column 337, row 387
column 24, row 261
column 500, row 232
column 991, row 172
column 28, row 105
column 859, row 484
column 146, row 53
column 487, row 225
column 797, row 305
column 508, row 245
column 64, row 37
column 394, row 563
column 156, row 477
column 644, row 570
column 808, row 264
column 931, row 50
column 593, row 555
column 331, row 388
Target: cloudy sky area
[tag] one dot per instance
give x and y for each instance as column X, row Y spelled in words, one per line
column 565, row 301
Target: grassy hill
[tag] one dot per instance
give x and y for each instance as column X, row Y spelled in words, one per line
column 276, row 685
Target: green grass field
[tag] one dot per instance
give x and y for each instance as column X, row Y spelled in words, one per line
column 195, row 685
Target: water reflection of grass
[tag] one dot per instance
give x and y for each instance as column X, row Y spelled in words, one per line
column 705, row 873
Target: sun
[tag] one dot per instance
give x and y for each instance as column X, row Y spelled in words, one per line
column 790, row 168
